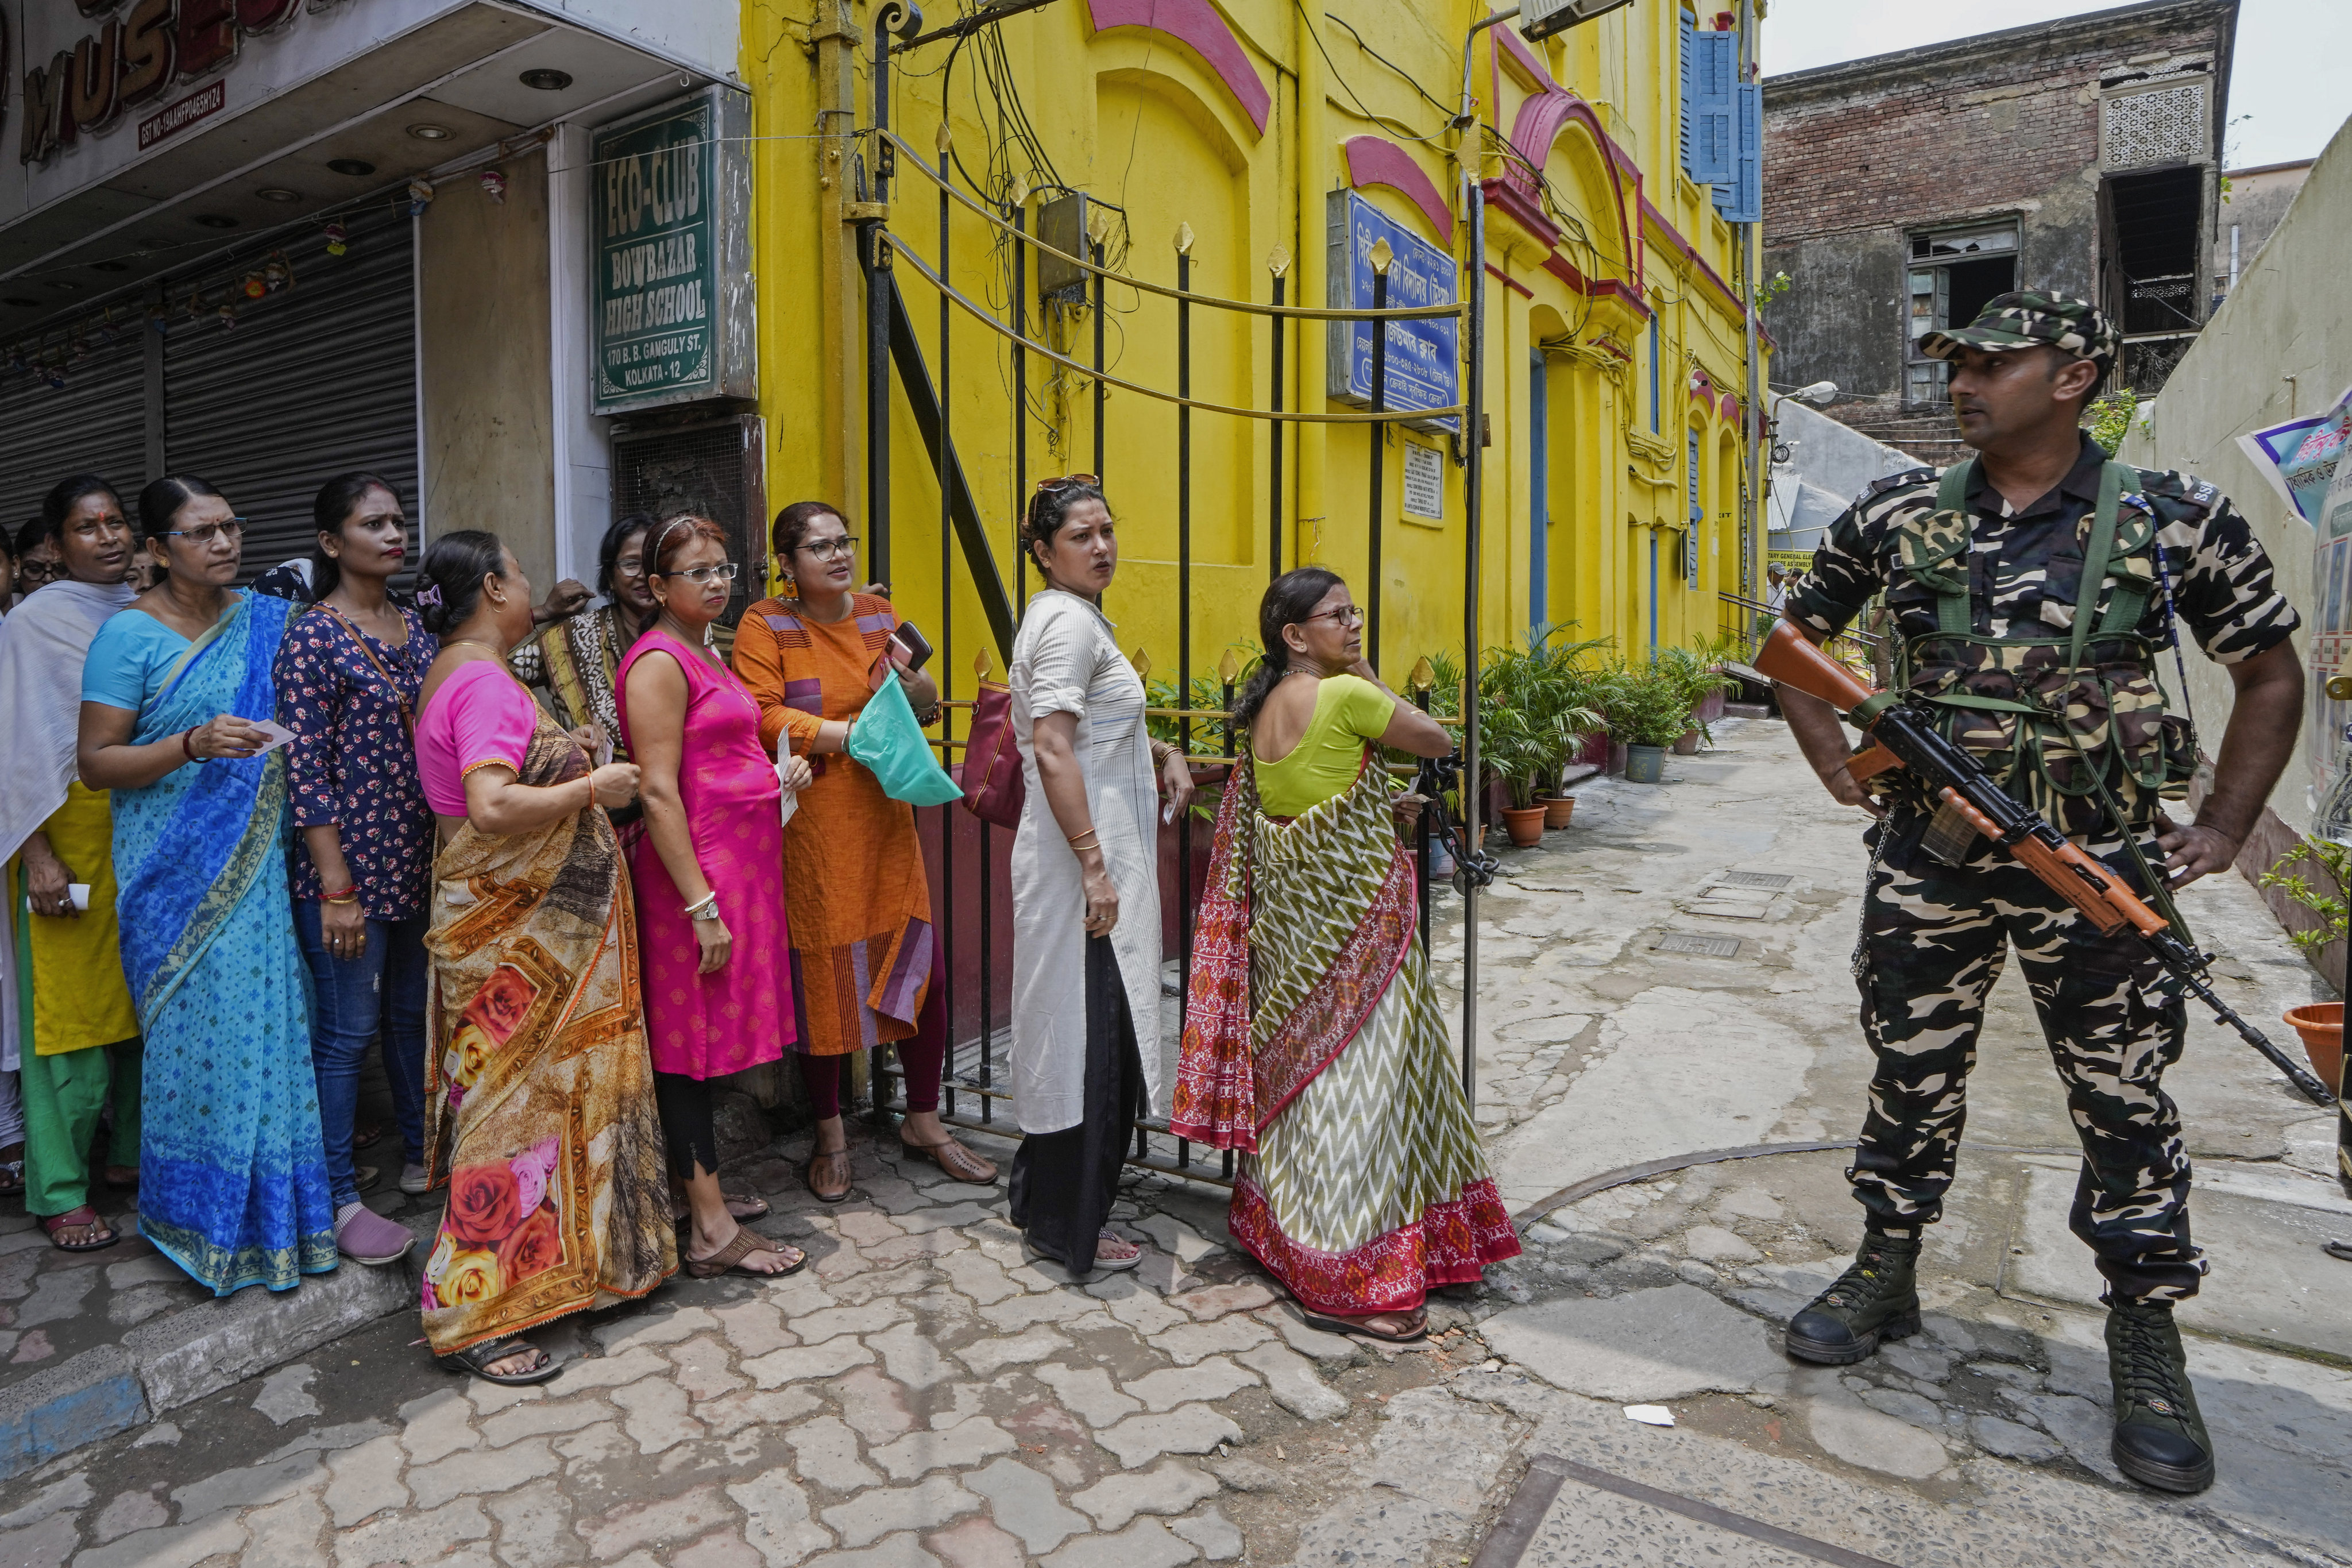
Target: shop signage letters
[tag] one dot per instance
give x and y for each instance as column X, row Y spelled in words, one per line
column 132, row 58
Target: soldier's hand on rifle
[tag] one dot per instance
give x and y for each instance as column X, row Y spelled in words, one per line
column 2190, row 852
column 1848, row 791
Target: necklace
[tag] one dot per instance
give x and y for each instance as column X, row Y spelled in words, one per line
column 474, row 642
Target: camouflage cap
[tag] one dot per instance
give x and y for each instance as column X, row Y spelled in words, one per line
column 2020, row 320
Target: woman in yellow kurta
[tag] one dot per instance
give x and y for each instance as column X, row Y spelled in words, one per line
column 865, row 957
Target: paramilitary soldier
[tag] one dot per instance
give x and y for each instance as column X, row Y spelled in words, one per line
column 2048, row 671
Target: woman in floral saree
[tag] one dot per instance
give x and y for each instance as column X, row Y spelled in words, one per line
column 1314, row 1040
column 539, row 1098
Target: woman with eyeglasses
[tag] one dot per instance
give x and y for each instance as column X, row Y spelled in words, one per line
column 179, row 703
column 348, row 675
column 709, row 882
column 68, row 1032
column 1314, row 1039
column 38, row 559
column 1085, row 889
column 866, row 956
column 575, row 660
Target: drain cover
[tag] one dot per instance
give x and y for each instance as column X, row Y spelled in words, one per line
column 1691, row 941
column 1772, row 879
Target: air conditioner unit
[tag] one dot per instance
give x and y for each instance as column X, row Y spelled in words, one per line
column 1543, row 18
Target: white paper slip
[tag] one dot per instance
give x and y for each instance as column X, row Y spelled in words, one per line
column 1650, row 1415
column 278, row 735
column 783, row 763
column 80, row 893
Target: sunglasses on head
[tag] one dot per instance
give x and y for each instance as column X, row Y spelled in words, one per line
column 1069, row 481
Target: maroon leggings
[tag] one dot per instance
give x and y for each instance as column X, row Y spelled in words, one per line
column 923, row 1057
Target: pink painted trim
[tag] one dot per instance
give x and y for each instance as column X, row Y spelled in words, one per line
column 1690, row 253
column 1521, row 60
column 1566, row 271
column 1377, row 160
column 1519, row 203
column 1508, row 281
column 1541, row 118
column 1196, row 25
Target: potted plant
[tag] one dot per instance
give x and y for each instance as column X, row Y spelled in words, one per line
column 1514, row 746
column 1564, row 696
column 1693, row 677
column 1646, row 713
column 2321, row 1023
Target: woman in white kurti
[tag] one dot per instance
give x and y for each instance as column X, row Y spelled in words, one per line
column 1086, row 889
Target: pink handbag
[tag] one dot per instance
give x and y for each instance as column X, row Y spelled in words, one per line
column 994, row 789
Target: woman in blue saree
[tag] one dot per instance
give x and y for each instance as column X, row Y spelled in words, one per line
column 233, row 1175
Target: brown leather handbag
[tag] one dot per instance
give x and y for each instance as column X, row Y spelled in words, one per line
column 994, row 789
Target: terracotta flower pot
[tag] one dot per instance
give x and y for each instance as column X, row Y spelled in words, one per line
column 1525, row 824
column 1558, row 809
column 1687, row 744
column 2321, row 1025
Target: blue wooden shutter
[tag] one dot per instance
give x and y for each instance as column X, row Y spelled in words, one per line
column 1710, row 73
column 1740, row 198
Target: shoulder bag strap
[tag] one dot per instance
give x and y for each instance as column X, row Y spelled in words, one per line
column 1954, row 614
column 407, row 713
column 2095, row 560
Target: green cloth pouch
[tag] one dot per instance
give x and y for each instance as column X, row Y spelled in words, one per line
column 886, row 738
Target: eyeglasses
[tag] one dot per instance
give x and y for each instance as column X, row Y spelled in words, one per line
column 234, row 528
column 831, row 549
column 45, row 570
column 1347, row 616
column 700, row 575
column 1070, row 481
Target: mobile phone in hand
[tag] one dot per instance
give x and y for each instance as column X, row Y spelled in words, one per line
column 919, row 647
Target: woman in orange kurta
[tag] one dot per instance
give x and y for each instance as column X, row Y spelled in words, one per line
column 865, row 956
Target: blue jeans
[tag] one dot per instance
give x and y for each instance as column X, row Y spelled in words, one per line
column 381, row 991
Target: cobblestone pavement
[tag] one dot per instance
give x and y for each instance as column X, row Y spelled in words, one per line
column 920, row 1395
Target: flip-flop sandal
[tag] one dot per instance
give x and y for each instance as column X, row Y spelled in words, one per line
column 365, row 1138
column 2342, row 1249
column 729, row 1258
column 1331, row 1325
column 823, row 1194
column 954, row 1159
column 84, row 1216
column 12, row 1176
column 477, row 1359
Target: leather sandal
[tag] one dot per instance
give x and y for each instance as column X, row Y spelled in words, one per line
column 1418, row 1319
column 954, row 1159
column 729, row 1258
column 72, row 1218
column 832, row 1163
column 479, row 1358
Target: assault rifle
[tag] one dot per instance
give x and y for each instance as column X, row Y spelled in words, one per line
column 1904, row 735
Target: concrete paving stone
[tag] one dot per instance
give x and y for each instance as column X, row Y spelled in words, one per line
column 2023, row 1378
column 793, row 1295
column 411, row 1536
column 67, row 1495
column 976, row 1544
column 976, row 1275
column 702, row 1368
column 865, row 1226
column 2080, row 1371
column 1086, row 1391
column 1187, row 1429
column 927, row 1505
column 754, row 1328
column 534, row 1526
column 285, row 1535
column 808, row 1364
column 1210, row 1380
column 988, row 1357
column 57, row 1295
column 2012, row 1441
column 595, row 1444
column 1214, row 1301
column 666, row 1521
column 1327, row 1348
column 127, row 1512
column 824, row 1451
column 1855, row 1433
column 816, row 1328
column 1641, row 1347
column 2087, row 1431
column 844, row 1262
column 1930, row 1363
column 1146, row 1544
column 1750, row 1201
column 1131, row 1301
column 1190, row 1342
column 912, row 1356
column 896, row 1286
column 1171, row 1234
column 776, row 1519
column 1023, row 1502
column 892, row 1193
column 1440, row 1449
column 874, row 1407
column 1218, row 1538
column 965, row 1442
column 248, row 1485
column 950, row 1217
column 544, row 1417
column 897, row 1551
column 957, row 1402
column 365, row 1481
column 1291, row 1378
column 1905, row 1405
column 1380, row 1527
column 719, row 1549
column 489, row 1398
column 656, row 1418
column 285, row 1394
column 610, row 1371
column 1057, row 1304
column 1713, row 1244
column 730, row 1413
column 44, row 1545
column 1171, row 1487
column 476, row 1475
column 1240, row 1474
column 179, row 1546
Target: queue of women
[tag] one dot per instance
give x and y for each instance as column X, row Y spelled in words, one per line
column 572, row 865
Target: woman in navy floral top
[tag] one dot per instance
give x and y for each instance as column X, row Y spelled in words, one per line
column 348, row 677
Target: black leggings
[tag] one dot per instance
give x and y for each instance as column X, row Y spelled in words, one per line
column 1064, row 1183
column 687, row 1122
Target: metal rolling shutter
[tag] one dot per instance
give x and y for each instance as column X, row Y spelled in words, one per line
column 309, row 384
column 94, row 424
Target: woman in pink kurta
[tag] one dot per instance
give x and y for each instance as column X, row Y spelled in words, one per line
column 715, row 955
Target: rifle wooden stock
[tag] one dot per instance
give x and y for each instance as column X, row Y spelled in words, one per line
column 1789, row 658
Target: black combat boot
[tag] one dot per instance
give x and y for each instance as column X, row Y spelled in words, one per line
column 1877, row 1299
column 2160, row 1437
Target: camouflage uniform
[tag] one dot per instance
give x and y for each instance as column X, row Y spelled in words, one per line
column 1933, row 933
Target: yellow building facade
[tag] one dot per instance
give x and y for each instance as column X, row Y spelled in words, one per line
column 1614, row 333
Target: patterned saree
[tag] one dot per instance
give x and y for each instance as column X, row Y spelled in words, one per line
column 1315, row 1045
column 538, row 1096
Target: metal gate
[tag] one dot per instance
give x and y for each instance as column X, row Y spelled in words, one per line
column 967, row 858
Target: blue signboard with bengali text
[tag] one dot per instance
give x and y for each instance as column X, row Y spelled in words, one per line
column 1424, row 356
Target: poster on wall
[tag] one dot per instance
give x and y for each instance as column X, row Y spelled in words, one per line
column 670, row 207
column 2331, row 658
column 2298, row 457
